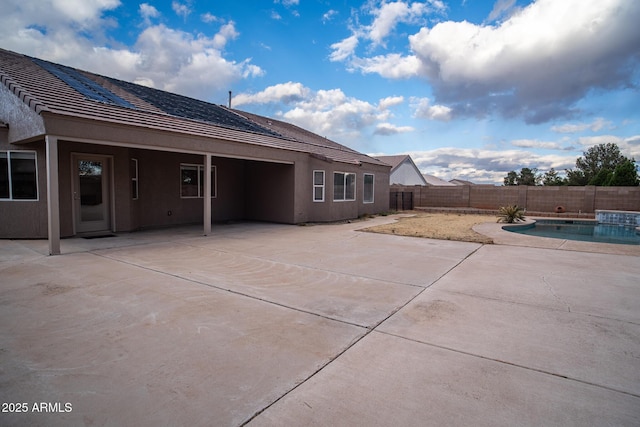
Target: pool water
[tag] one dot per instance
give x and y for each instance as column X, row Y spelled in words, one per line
column 579, row 230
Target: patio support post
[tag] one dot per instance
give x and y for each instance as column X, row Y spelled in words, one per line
column 207, row 194
column 53, row 195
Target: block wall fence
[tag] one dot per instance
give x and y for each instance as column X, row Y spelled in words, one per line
column 533, row 198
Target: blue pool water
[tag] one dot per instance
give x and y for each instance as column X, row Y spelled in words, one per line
column 579, row 230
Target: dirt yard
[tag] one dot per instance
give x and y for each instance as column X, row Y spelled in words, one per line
column 438, row 226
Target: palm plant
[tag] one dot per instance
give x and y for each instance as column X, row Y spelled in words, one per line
column 510, row 214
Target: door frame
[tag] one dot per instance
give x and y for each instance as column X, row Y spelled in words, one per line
column 108, row 195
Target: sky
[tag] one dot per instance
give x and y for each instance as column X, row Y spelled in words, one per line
column 470, row 89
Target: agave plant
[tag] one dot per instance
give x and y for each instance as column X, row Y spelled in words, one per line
column 510, row 214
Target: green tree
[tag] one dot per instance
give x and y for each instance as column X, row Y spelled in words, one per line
column 597, row 165
column 602, row 178
column 551, row 177
column 576, row 177
column 625, row 174
column 526, row 176
column 511, row 178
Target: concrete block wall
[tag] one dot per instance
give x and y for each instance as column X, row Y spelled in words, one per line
column 533, row 198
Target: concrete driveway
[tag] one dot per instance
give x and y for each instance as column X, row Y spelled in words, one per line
column 273, row 325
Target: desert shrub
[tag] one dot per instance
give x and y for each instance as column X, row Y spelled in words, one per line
column 510, row 214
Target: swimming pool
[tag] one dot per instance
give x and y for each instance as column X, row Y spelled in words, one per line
column 586, row 231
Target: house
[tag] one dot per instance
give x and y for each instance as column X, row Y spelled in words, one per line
column 83, row 153
column 403, row 170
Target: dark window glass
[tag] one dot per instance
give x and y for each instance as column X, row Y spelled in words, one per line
column 24, row 184
column 189, row 181
column 338, row 186
column 4, row 176
column 367, row 196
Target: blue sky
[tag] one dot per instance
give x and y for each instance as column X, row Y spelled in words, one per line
column 470, row 89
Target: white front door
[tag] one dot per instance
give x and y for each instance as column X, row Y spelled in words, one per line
column 91, row 193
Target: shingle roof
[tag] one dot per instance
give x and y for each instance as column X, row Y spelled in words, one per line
column 434, row 180
column 393, row 161
column 53, row 88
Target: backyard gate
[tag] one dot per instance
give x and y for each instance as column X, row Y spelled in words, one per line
column 401, row 200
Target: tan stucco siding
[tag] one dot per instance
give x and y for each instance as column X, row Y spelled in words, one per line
column 24, row 122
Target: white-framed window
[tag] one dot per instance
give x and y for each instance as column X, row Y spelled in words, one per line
column 368, row 187
column 134, row 179
column 192, row 181
column 18, row 175
column 344, row 186
column 318, row 186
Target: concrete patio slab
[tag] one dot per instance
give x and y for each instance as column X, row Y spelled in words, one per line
column 321, row 325
column 127, row 346
column 604, row 285
column 391, row 381
column 349, row 298
column 581, row 347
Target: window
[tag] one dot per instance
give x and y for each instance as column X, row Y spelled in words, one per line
column 192, row 181
column 318, row 186
column 367, row 191
column 18, row 177
column 344, row 186
column 134, row 179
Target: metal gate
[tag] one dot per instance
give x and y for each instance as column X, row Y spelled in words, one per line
column 401, row 200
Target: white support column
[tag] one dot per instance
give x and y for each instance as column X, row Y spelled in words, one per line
column 207, row 194
column 53, row 195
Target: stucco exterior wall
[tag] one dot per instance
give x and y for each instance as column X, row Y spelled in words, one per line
column 24, row 122
column 25, row 218
column 253, row 182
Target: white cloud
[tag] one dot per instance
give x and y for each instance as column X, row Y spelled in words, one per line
column 595, row 126
column 288, row 3
column 181, row 9
column 501, row 8
column 389, row 102
column 227, row 32
column 423, row 109
column 209, row 18
column 386, row 16
column 344, row 49
column 328, row 16
column 394, row 66
column 391, row 129
column 329, row 113
column 287, row 93
column 147, row 12
column 535, row 64
column 534, row 143
column 80, row 10
column 390, row 14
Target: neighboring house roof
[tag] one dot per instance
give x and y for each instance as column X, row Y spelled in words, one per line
column 461, row 182
column 394, row 161
column 403, row 170
column 434, row 180
column 52, row 88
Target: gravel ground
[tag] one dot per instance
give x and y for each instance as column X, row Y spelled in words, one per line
column 438, row 226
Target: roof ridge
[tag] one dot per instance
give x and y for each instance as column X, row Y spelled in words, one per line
column 31, row 101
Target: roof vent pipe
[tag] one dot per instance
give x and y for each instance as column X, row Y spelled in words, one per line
column 229, row 99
